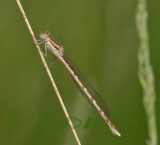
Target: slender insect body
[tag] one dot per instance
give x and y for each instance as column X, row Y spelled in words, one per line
column 58, row 51
column 53, row 49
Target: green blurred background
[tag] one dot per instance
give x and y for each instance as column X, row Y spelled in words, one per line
column 100, row 37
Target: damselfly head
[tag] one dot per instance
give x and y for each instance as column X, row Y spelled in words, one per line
column 44, row 35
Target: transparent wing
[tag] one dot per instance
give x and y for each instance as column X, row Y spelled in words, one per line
column 100, row 101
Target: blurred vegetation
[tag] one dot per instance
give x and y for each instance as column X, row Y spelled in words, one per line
column 146, row 75
column 101, row 38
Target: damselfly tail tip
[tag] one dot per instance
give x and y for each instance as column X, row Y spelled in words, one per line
column 117, row 133
column 114, row 130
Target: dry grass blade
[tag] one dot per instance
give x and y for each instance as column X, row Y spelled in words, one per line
column 48, row 72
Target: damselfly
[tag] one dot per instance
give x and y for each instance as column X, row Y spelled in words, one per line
column 87, row 89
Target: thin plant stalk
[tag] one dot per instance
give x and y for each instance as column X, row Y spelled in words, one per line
column 48, row 72
column 145, row 72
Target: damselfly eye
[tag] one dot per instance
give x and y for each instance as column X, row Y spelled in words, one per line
column 47, row 33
